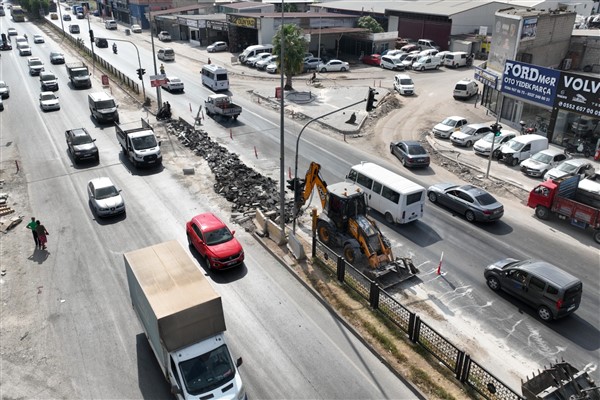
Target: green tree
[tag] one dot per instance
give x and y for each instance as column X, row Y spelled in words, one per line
column 369, row 23
column 295, row 46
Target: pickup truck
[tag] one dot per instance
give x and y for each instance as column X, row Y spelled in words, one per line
column 221, row 104
column 139, row 144
column 183, row 319
column 79, row 74
column 572, row 198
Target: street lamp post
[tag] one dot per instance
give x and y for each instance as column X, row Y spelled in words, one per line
column 139, row 63
column 62, row 24
column 281, row 129
column 158, row 90
column 91, row 42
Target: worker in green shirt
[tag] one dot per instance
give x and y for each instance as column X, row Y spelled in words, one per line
column 33, row 225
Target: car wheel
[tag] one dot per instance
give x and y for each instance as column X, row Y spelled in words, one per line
column 514, row 161
column 389, row 218
column 597, row 236
column 542, row 212
column 496, row 154
column 404, row 163
column 432, row 197
column 469, row 143
column 544, row 313
column 343, row 69
column 323, row 69
column 493, row 283
column 189, row 240
column 470, row 216
column 437, row 67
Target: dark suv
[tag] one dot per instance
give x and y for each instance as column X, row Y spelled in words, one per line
column 81, row 145
column 48, row 81
column 101, row 42
column 553, row 292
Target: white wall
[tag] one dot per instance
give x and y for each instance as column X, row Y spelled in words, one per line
column 470, row 21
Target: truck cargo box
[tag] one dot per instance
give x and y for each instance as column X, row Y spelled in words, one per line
column 175, row 302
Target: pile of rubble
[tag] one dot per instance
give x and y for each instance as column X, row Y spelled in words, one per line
column 246, row 189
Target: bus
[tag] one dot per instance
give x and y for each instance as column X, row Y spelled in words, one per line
column 398, row 199
column 17, row 13
column 215, row 77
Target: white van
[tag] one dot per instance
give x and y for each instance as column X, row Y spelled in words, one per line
column 400, row 200
column 110, row 24
column 427, row 44
column 521, row 148
column 254, row 50
column 166, row 54
column 215, row 77
column 404, row 84
column 392, row 62
column 427, row 62
column 103, row 107
column 456, row 59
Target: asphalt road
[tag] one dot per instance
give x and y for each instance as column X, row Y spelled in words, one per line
column 82, row 337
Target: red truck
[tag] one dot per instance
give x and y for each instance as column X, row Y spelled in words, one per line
column 570, row 199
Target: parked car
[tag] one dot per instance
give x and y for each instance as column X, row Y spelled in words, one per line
column 1, row 105
column 57, row 57
column 38, row 39
column 262, row 64
column 541, row 162
column 469, row 134
column 576, row 166
column 251, row 62
column 583, row 126
column 553, row 292
column 53, row 16
column 135, row 28
column 48, row 81
column 408, row 60
column 164, row 36
column 428, row 52
column 104, row 197
column 372, row 59
column 333, row 65
column 449, row 125
column 81, row 146
column 311, row 63
column 410, row 153
column 4, row 90
column 215, row 243
column 272, row 68
column 35, row 65
column 442, row 55
column 66, row 17
column 11, row 32
column 393, row 53
column 409, row 47
column 217, row 46
column 392, row 62
column 49, row 101
column 426, row 62
column 173, row 84
column 427, row 44
column 24, row 50
column 484, row 145
column 465, row 89
column 471, row 201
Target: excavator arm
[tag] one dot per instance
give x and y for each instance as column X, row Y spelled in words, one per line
column 305, row 187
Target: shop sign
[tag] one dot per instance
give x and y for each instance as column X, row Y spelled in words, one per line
column 529, row 30
column 530, row 82
column 244, row 22
column 579, row 93
column 486, row 77
column 216, row 25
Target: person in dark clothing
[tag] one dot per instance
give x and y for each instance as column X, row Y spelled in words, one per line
column 41, row 233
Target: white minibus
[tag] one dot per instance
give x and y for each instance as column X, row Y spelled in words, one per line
column 400, row 200
column 253, row 50
column 215, row 77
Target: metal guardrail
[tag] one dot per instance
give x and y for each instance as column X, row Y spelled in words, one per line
column 466, row 370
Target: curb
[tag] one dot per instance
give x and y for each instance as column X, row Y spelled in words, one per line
column 340, row 318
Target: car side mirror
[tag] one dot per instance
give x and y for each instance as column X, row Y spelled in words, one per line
column 93, row 140
column 175, row 390
column 239, row 362
column 233, row 233
column 159, row 142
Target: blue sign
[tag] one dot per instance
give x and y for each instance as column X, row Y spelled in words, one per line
column 530, row 82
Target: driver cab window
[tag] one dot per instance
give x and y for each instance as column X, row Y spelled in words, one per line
column 174, row 372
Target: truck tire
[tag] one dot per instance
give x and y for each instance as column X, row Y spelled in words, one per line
column 352, row 252
column 235, row 117
column 542, row 212
column 597, row 236
column 325, row 232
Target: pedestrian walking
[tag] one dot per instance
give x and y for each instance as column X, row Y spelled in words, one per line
column 209, row 62
column 33, row 225
column 162, row 69
column 41, row 233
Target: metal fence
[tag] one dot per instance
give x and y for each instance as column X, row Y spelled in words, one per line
column 466, row 370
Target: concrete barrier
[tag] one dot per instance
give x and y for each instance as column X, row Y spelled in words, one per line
column 261, row 223
column 275, row 233
column 296, row 247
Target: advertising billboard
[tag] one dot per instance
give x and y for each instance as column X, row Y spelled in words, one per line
column 579, row 93
column 529, row 29
column 530, row 82
column 505, row 37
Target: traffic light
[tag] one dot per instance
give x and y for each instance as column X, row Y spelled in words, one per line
column 296, row 186
column 371, row 100
column 141, row 72
column 496, row 128
column 91, row 35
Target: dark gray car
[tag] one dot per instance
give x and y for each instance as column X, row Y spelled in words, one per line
column 81, row 145
column 410, row 153
column 474, row 203
column 553, row 292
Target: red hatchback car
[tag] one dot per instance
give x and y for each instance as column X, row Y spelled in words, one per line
column 373, row 59
column 214, row 241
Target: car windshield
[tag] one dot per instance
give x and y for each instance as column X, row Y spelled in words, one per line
column 490, row 137
column 3, row 85
column 567, row 167
column 48, row 96
column 144, row 142
column 105, row 104
column 56, row 55
column 416, row 150
column 35, row 62
column 175, row 80
column 106, row 192
column 48, row 77
column 207, row 372
column 449, row 122
column 468, row 130
column 485, row 199
column 514, row 145
column 82, row 139
column 406, row 82
column 218, row 236
column 542, row 157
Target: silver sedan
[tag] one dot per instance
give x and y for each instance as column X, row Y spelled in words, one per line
column 474, row 203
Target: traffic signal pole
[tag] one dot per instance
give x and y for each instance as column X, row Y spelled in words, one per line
column 139, row 63
column 496, row 128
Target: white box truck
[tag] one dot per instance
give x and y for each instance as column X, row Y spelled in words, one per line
column 183, row 320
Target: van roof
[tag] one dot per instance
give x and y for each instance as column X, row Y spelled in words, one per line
column 99, row 96
column 530, row 138
column 549, row 272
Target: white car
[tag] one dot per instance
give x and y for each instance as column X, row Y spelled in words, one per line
column 333, row 65
column 11, row 32
column 576, row 166
column 262, row 64
column 469, row 134
column 465, row 89
column 217, row 46
column 24, row 50
column 409, row 60
column 404, row 84
column 4, row 90
column 448, row 126
column 135, row 28
column 484, row 145
column 173, row 84
column 104, row 197
column 541, row 162
column 251, row 62
column 49, row 101
column 35, row 65
column 38, row 39
column 164, row 36
column 272, row 68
